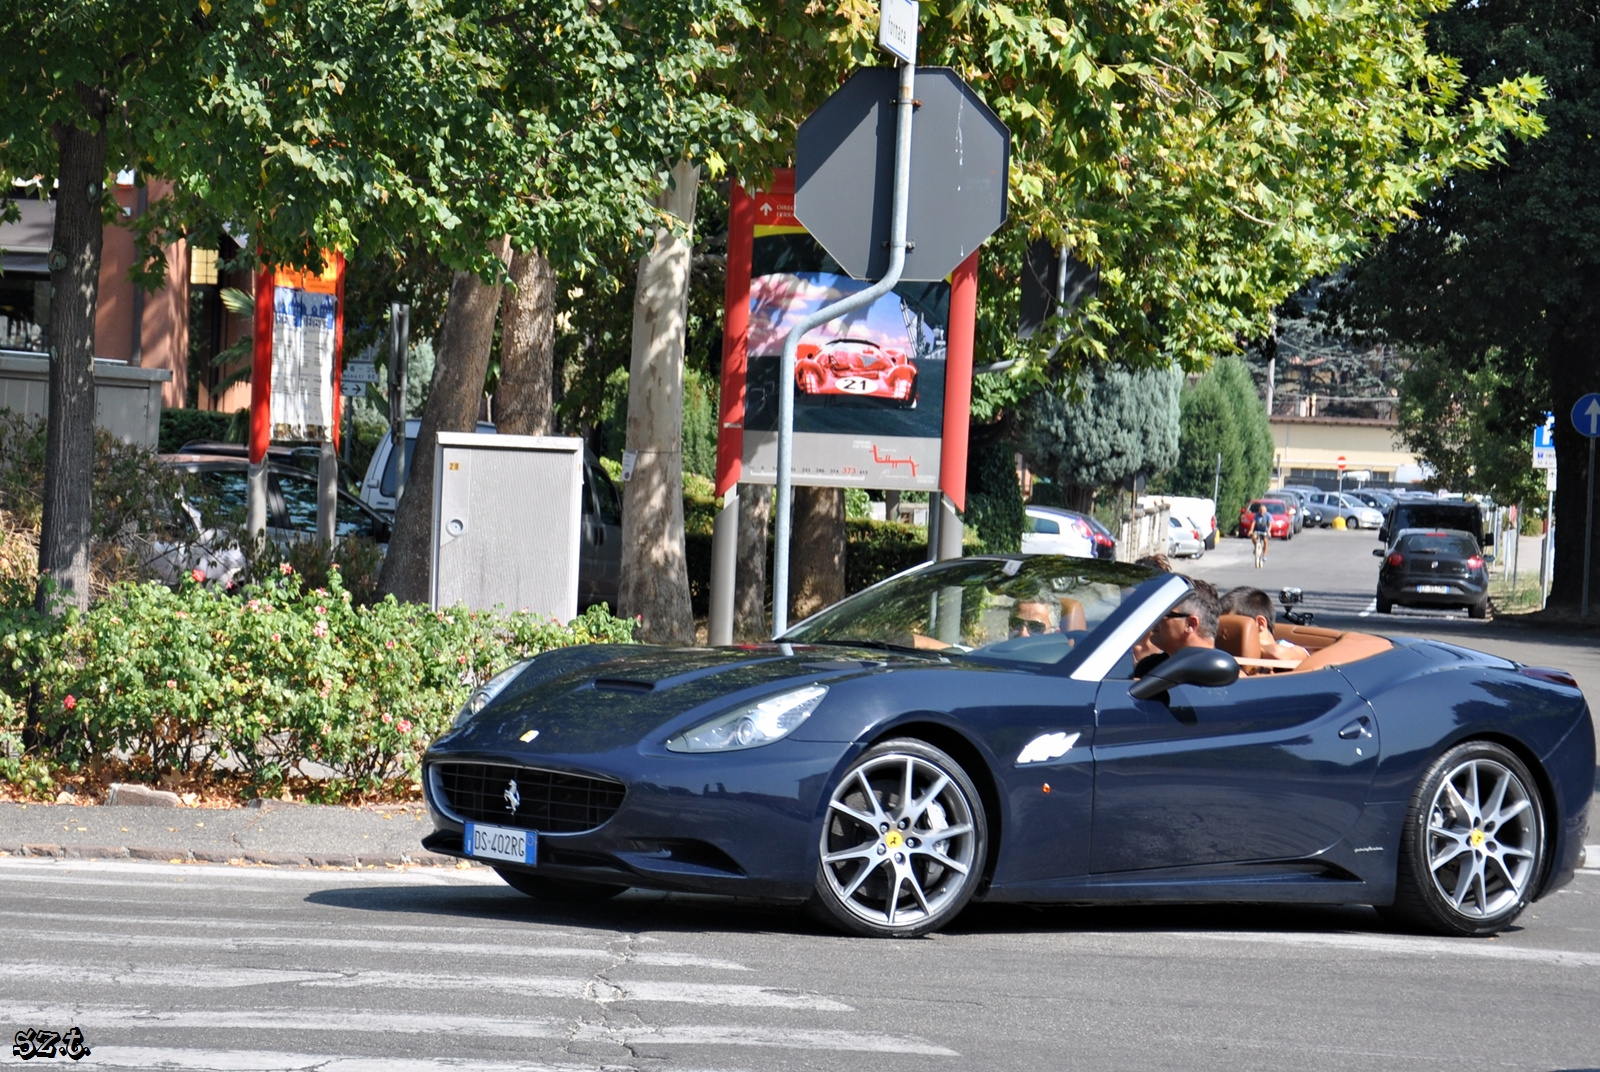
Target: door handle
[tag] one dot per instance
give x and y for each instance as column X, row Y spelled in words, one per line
column 1356, row 730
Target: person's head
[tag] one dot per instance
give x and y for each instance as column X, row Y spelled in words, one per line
column 1155, row 562
column 1192, row 621
column 1035, row 613
column 1251, row 603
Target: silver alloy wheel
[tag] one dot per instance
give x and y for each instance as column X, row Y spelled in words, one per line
column 1483, row 838
column 900, row 841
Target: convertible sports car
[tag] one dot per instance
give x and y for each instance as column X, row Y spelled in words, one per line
column 855, row 368
column 973, row 729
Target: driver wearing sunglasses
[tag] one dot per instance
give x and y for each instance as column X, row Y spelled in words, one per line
column 1035, row 615
column 1191, row 623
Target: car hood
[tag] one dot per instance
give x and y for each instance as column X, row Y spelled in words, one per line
column 602, row 698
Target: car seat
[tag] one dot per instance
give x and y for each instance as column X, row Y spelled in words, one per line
column 1238, row 636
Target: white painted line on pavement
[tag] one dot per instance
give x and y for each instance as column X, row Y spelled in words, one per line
column 189, row 977
column 1370, row 608
column 239, row 944
column 223, row 876
column 162, row 1058
column 132, row 1017
column 307, row 927
column 1402, row 945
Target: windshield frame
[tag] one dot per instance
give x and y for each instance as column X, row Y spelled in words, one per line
column 1144, row 602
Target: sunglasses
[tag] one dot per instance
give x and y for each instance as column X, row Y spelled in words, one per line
column 1028, row 623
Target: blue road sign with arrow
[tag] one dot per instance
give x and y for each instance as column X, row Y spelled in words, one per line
column 1586, row 415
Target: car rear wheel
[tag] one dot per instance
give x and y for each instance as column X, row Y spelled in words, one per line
column 1479, row 609
column 1473, row 845
column 1385, row 606
column 558, row 890
column 903, row 843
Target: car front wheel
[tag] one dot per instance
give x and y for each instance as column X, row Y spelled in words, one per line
column 1473, row 844
column 903, row 843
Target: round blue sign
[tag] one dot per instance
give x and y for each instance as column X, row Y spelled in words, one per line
column 1586, row 415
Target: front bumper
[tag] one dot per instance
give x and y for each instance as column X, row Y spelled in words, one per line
column 743, row 823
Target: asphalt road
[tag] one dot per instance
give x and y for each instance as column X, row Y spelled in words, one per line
column 422, row 970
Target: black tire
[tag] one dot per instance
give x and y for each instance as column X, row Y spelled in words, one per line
column 870, row 846
column 1479, row 610
column 558, row 890
column 1486, row 892
column 1385, row 606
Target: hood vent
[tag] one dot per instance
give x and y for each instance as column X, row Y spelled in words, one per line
column 623, row 684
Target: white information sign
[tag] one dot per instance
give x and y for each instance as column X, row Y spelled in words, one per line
column 897, row 28
column 302, row 363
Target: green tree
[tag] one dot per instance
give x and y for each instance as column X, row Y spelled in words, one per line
column 1117, row 424
column 994, row 498
column 1221, row 417
column 1499, row 273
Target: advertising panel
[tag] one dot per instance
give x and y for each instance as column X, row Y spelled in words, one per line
column 305, row 330
column 869, row 387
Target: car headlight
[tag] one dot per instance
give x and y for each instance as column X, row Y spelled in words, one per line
column 487, row 691
column 753, row 725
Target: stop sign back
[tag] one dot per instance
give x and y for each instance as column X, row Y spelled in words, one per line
column 844, row 173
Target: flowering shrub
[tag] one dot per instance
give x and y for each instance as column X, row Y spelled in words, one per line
column 262, row 682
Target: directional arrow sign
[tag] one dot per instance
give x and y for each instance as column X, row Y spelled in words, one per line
column 1586, row 415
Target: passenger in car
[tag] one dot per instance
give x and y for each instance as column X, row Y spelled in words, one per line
column 1035, row 614
column 1191, row 623
column 1256, row 605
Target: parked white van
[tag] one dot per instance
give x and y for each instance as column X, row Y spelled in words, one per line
column 1203, row 512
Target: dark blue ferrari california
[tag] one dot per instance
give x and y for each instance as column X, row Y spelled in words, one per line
column 923, row 744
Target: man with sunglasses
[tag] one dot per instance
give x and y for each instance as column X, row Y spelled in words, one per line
column 1191, row 623
column 1035, row 615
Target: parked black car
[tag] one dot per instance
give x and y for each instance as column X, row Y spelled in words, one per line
column 1433, row 515
column 1434, row 568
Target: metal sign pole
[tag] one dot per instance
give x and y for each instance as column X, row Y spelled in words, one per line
column 784, row 500
column 399, row 352
column 1588, row 532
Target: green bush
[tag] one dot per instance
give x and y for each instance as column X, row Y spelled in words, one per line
column 995, row 514
column 192, row 680
column 180, row 426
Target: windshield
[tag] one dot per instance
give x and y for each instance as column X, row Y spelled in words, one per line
column 1030, row 610
column 1458, row 545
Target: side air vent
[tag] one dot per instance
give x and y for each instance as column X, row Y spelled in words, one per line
column 622, row 684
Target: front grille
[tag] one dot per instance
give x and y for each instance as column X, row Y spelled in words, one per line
column 547, row 801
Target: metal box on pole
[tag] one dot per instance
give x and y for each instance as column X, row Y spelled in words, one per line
column 506, row 517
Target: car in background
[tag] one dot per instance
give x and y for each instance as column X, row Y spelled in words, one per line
column 1297, row 507
column 1193, row 507
column 1356, row 513
column 600, row 542
column 1443, row 568
column 1052, row 530
column 1378, row 500
column 1183, row 538
column 1281, row 525
column 1311, row 511
column 217, row 494
column 1434, row 514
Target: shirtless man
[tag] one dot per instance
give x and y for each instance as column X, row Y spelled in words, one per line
column 1254, row 603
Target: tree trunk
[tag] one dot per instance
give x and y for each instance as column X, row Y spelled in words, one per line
column 655, row 573
column 525, row 401
column 75, row 281
column 817, row 550
column 750, row 621
column 1574, row 369
column 462, row 361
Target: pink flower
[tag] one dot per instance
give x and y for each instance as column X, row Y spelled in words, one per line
column 285, row 569
column 389, row 644
column 198, row 574
column 70, row 702
column 323, row 692
column 171, row 684
column 405, row 725
column 320, row 629
column 321, row 609
column 387, row 718
column 276, row 638
column 461, row 660
column 322, row 592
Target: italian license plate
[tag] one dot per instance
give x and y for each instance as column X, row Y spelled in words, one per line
column 502, row 843
column 1434, row 589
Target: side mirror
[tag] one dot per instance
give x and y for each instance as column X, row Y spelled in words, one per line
column 1208, row 667
column 1377, row 552
column 1488, row 558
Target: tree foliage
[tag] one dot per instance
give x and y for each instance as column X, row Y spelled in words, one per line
column 1222, row 416
column 1115, row 423
column 1497, row 279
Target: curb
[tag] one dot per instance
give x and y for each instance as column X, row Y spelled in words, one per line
column 241, row 858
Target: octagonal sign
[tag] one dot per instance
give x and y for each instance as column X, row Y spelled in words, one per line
column 844, row 173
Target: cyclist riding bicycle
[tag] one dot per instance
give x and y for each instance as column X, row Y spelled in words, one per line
column 1260, row 532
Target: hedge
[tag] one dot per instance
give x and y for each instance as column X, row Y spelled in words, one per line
column 187, row 681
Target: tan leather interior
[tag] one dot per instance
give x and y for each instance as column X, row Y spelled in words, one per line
column 1238, row 636
column 1349, row 648
column 1309, row 637
column 1072, row 616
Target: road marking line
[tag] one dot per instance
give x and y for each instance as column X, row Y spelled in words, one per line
column 132, row 1017
column 240, row 944
column 1406, row 946
column 152, row 1058
column 32, row 869
column 1372, row 606
column 192, row 977
column 309, row 926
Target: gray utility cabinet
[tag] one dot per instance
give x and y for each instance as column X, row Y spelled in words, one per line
column 506, row 517
column 127, row 398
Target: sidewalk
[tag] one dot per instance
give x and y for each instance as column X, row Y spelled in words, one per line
column 275, row 834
